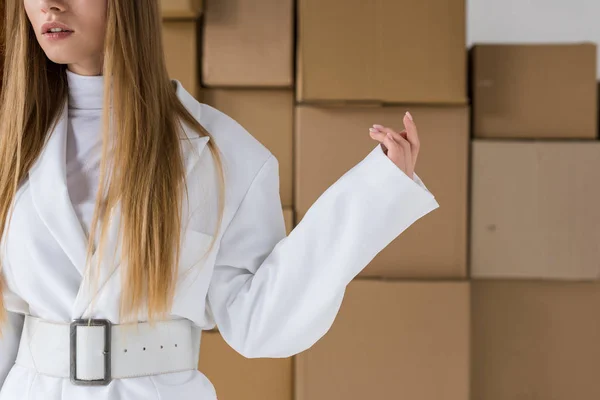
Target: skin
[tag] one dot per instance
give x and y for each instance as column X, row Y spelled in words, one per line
column 83, row 50
column 403, row 147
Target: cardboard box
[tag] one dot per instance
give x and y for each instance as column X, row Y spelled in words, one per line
column 535, row 91
column 535, row 340
column 535, row 210
column 269, row 116
column 410, row 51
column 330, row 141
column 248, row 43
column 180, row 8
column 392, row 340
column 180, row 40
column 288, row 215
column 236, row 377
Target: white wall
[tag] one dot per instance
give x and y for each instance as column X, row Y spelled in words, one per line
column 533, row 21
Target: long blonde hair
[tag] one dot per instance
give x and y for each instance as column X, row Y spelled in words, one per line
column 146, row 169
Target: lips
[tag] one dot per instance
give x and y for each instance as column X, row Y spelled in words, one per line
column 53, row 27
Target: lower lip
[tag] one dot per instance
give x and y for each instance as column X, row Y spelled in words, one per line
column 57, row 35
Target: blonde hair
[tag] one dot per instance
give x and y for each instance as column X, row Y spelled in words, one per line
column 146, row 170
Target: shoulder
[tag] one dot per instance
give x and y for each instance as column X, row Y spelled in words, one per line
column 242, row 155
column 233, row 140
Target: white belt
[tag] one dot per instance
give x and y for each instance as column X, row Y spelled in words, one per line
column 100, row 352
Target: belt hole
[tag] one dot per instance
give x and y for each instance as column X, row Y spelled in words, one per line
column 175, row 344
column 161, row 346
column 144, row 349
column 125, row 351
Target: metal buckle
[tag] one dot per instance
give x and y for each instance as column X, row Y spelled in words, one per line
column 107, row 359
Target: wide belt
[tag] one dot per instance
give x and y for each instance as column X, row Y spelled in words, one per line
column 93, row 352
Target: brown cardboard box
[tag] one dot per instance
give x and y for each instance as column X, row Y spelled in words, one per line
column 535, row 340
column 180, row 8
column 236, row 377
column 248, row 43
column 534, row 91
column 269, row 116
column 330, row 141
column 535, row 210
column 410, row 51
column 392, row 340
column 288, row 215
column 180, row 40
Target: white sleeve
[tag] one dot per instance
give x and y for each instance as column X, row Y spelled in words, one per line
column 11, row 328
column 10, row 337
column 275, row 296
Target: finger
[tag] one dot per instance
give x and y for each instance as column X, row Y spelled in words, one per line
column 399, row 139
column 412, row 135
column 377, row 134
column 406, row 147
column 404, row 144
column 385, row 129
column 402, row 139
column 380, row 137
column 395, row 152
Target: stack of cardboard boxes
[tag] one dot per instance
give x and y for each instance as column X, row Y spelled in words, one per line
column 535, row 222
column 403, row 329
column 505, row 311
column 247, row 73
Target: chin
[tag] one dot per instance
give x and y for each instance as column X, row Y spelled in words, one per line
column 59, row 58
column 59, row 55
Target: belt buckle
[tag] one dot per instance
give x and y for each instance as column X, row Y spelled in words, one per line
column 107, row 345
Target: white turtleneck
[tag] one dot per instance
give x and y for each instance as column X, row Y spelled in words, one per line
column 84, row 144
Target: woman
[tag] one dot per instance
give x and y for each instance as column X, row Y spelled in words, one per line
column 134, row 217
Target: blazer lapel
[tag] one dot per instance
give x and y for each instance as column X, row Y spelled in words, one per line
column 192, row 147
column 111, row 261
column 48, row 182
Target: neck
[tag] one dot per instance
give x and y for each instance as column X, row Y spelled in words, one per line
column 88, row 68
column 85, row 92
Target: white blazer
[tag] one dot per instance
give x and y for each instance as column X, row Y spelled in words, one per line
column 270, row 295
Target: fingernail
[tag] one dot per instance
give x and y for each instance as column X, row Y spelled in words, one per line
column 372, row 130
column 409, row 116
column 377, row 126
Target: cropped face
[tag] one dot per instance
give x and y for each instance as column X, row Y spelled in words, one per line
column 70, row 31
